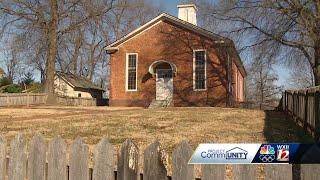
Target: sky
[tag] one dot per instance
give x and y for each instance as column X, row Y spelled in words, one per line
column 170, row 6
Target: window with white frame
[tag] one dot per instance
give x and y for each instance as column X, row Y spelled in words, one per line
column 132, row 61
column 199, row 68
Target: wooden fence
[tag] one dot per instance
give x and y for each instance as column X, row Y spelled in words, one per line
column 18, row 99
column 26, row 99
column 303, row 107
column 75, row 101
column 42, row 162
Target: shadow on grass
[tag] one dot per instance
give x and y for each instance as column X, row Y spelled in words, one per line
column 281, row 129
column 278, row 129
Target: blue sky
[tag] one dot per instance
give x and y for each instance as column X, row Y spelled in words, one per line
column 170, row 6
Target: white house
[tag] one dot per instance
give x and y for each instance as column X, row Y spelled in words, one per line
column 70, row 85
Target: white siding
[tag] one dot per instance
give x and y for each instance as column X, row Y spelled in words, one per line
column 64, row 89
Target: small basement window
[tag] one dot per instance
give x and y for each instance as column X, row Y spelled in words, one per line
column 79, row 94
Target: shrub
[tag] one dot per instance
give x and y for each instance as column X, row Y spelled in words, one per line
column 12, row 88
column 5, row 81
column 35, row 88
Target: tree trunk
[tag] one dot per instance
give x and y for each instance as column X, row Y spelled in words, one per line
column 52, row 50
column 43, row 76
column 92, row 65
column 78, row 44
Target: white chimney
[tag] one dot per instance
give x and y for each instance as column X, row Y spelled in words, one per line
column 188, row 12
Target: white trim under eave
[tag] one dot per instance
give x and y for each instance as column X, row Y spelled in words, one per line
column 205, row 69
column 111, row 50
column 126, row 84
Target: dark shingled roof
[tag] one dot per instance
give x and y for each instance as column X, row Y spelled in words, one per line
column 78, row 81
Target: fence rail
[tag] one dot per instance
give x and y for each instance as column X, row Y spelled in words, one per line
column 75, row 101
column 303, row 107
column 18, row 99
column 26, row 99
column 42, row 162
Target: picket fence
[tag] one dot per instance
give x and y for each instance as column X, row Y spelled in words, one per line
column 18, row 99
column 51, row 163
column 303, row 107
column 26, row 99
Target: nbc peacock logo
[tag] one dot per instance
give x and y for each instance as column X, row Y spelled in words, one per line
column 267, row 154
column 267, row 149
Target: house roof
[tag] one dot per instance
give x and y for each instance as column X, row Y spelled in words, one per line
column 77, row 81
column 219, row 40
column 173, row 19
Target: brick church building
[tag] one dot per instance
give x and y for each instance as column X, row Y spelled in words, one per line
column 171, row 61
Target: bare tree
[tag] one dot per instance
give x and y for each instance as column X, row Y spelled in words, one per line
column 128, row 15
column 11, row 60
column 81, row 51
column 292, row 24
column 53, row 19
column 261, row 81
column 11, row 64
column 301, row 76
column 70, row 35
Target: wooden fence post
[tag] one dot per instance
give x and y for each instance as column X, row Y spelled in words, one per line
column 283, row 101
column 37, row 158
column 79, row 168
column 297, row 107
column 213, row 171
column 305, row 124
column 3, row 157
column 317, row 115
column 18, row 159
column 286, row 107
column 28, row 103
column 154, row 163
column 244, row 171
column 310, row 171
column 8, row 104
column 180, row 157
column 294, row 107
column 278, row 171
column 103, row 161
column 128, row 161
column 57, row 159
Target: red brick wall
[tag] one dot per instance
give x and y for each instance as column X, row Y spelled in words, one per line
column 164, row 41
column 238, row 84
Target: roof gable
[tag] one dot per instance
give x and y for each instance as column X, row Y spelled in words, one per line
column 219, row 40
column 172, row 19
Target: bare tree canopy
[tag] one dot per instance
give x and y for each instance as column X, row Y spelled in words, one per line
column 69, row 35
column 261, row 81
column 49, row 20
column 291, row 25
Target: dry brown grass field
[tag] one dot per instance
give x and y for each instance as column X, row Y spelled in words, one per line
column 144, row 126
